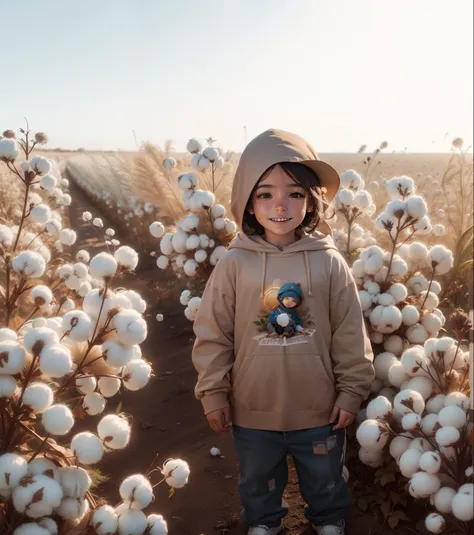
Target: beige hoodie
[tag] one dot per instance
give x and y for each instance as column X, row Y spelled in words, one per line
column 280, row 387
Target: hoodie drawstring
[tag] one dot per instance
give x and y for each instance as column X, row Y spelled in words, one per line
column 308, row 273
column 264, row 271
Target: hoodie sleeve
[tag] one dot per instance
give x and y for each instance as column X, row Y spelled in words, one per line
column 213, row 351
column 351, row 351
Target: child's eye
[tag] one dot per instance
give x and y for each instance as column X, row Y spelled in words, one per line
column 297, row 195
column 264, row 196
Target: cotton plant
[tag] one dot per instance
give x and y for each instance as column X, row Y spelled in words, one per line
column 419, row 373
column 353, row 202
column 197, row 242
column 69, row 341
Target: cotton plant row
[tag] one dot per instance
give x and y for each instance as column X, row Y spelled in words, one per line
column 72, row 345
column 200, row 239
column 422, row 380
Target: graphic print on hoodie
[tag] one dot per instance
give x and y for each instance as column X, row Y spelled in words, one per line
column 288, row 386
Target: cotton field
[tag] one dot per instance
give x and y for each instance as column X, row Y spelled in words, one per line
column 69, row 329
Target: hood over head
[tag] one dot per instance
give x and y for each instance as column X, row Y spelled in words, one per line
column 270, row 148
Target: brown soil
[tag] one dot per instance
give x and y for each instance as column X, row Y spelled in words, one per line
column 168, row 422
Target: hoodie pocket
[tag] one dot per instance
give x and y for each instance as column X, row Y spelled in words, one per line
column 283, row 383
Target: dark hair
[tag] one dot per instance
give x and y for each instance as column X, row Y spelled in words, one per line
column 305, row 177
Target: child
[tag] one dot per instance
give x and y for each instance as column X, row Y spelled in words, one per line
column 282, row 399
column 289, row 298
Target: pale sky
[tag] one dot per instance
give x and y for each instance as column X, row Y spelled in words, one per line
column 341, row 73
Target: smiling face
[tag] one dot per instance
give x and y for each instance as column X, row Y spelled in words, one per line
column 280, row 206
column 289, row 302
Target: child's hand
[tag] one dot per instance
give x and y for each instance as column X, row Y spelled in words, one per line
column 345, row 418
column 220, row 420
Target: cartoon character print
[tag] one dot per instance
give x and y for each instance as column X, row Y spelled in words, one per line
column 282, row 321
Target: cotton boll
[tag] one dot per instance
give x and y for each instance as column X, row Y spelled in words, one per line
column 190, row 314
column 50, row 525
column 411, row 421
column 157, row 525
column 31, row 528
column 399, row 267
column 423, row 385
column 462, row 506
column 157, row 229
column 75, row 481
column 163, row 262
column 410, row 315
column 219, row 223
column 204, row 241
column 388, row 393
column 371, row 435
column 7, row 334
column 435, row 404
column 38, row 396
column 12, row 469
column 131, row 327
column 443, row 499
column 55, row 361
column 8, row 386
column 432, row 323
column 29, row 264
column 429, row 424
column 103, row 265
column 358, row 269
column 410, row 462
column 58, row 419
column 373, row 459
column 345, row 197
column 365, row 300
column 117, row 354
column 373, row 264
column 93, row 403
column 398, row 291
column 136, row 490
column 447, row 436
column 386, row 299
column 418, row 251
column 467, row 488
column 109, row 386
column 394, row 344
column 407, row 401
column 441, row 259
column 435, row 523
column 132, row 522
column 114, row 431
column 191, row 267
column 416, row 207
column 398, row 446
column 13, row 358
column 386, row 319
column 77, row 324
column 379, row 407
column 383, row 363
column 431, row 302
column 176, row 472
column 136, row 374
column 430, row 462
column 185, row 297
column 200, row 256
column 104, row 520
column 414, row 362
column 87, row 447
column 38, row 497
column 193, row 242
column 376, row 337
column 457, row 398
column 166, row 246
column 42, row 466
column 452, row 415
column 178, row 241
column 41, row 295
column 72, row 508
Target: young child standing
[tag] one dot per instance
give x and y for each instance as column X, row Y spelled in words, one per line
column 282, row 398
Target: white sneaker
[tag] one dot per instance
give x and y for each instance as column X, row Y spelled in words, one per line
column 336, row 529
column 264, row 530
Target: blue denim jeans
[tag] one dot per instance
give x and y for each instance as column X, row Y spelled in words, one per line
column 318, row 454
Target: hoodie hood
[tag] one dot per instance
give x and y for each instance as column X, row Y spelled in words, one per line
column 269, row 148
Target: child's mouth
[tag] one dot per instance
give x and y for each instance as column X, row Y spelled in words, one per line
column 280, row 219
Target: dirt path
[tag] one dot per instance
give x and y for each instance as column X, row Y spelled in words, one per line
column 168, row 422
